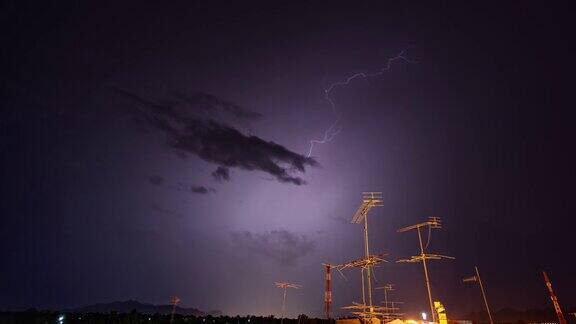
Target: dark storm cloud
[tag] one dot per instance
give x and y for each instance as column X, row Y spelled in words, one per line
column 214, row 141
column 225, row 145
column 210, row 104
column 156, row 180
column 221, row 174
column 195, row 189
column 201, row 189
column 281, row 246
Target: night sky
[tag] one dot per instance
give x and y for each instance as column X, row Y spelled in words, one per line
column 151, row 150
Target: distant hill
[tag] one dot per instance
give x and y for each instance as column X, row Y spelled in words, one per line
column 143, row 308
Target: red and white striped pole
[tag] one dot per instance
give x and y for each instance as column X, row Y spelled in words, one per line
column 328, row 292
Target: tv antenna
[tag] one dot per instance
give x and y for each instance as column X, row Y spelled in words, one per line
column 369, row 201
column 174, row 301
column 284, row 286
column 390, row 310
column 365, row 313
column 363, row 310
column 476, row 278
column 432, row 223
column 386, row 288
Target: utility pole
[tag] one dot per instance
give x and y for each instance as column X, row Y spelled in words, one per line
column 554, row 299
column 432, row 223
column 477, row 278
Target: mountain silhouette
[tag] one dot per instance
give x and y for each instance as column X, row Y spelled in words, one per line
column 143, row 308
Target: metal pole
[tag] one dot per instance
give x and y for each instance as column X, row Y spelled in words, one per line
column 173, row 311
column 283, row 305
column 385, row 299
column 328, row 292
column 554, row 299
column 363, row 293
column 483, row 294
column 423, row 255
column 175, row 300
column 367, row 253
column 387, row 311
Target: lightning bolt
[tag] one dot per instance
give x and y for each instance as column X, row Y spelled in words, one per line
column 331, row 132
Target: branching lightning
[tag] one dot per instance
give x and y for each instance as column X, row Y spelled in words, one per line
column 331, row 132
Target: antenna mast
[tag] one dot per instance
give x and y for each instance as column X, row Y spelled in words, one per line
column 390, row 311
column 369, row 200
column 174, row 301
column 284, row 286
column 476, row 278
column 432, row 223
column 554, row 299
column 363, row 310
column 328, row 291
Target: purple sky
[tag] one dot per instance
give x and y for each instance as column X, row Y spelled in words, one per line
column 100, row 205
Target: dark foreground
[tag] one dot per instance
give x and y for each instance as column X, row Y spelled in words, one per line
column 41, row 317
